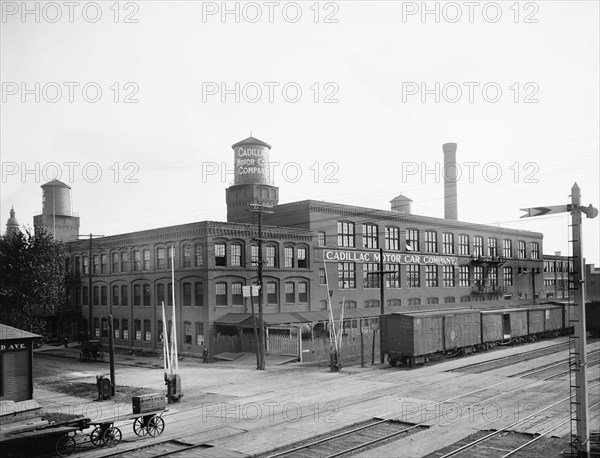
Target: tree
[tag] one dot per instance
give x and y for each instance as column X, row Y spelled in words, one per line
column 32, row 278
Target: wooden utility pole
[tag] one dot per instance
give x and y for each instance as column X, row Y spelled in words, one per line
column 259, row 209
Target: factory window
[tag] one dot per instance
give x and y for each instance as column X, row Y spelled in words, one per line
column 77, row 266
column 85, row 265
column 521, row 250
column 187, row 256
column 160, row 333
column 124, row 295
column 170, row 255
column 236, row 294
column 147, row 330
column 115, row 262
column 124, row 329
column 103, row 264
column 433, row 300
column 124, row 262
column 477, row 246
column 463, row 276
column 198, row 255
column 463, row 244
column 448, row 276
column 290, row 294
column 413, row 279
column 254, row 255
column 392, row 238
column 235, row 253
column 322, row 277
column 414, row 301
column 394, row 302
column 146, row 294
column 271, row 256
column 507, row 248
column 160, row 259
column 137, row 327
column 370, row 236
column 103, row 295
column 137, row 260
column 187, row 294
column 492, row 248
column 412, row 240
column 288, row 257
column 346, row 275
column 199, row 333
column 448, row 243
column 449, row 300
column 372, row 303
column 85, row 295
column 146, row 259
column 137, row 295
column 116, row 331
column 169, row 294
column 431, row 276
column 350, row 305
column 220, row 259
column 160, row 294
column 431, row 242
column 104, row 327
column 535, row 250
column 187, row 331
column 302, row 258
column 465, row 299
column 478, row 276
column 370, row 275
column 272, row 292
column 392, row 278
column 198, row 294
column 323, row 305
column 96, row 296
column 507, row 274
column 96, row 327
column 345, row 234
column 493, row 276
column 321, row 238
column 96, row 264
column 303, row 292
column 221, row 293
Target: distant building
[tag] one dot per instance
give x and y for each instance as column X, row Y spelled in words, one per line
column 556, row 276
column 57, row 216
column 12, row 224
column 592, row 283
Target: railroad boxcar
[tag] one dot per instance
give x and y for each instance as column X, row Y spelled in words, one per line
column 592, row 318
column 410, row 338
column 545, row 319
column 503, row 324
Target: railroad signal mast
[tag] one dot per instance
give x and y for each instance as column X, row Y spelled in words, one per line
column 577, row 348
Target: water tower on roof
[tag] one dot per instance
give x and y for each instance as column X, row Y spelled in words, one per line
column 253, row 183
column 57, row 216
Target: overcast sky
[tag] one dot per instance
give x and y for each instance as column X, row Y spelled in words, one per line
column 136, row 105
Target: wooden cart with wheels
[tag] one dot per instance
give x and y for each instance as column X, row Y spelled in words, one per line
column 106, row 433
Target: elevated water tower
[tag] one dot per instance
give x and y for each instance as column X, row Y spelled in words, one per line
column 57, row 216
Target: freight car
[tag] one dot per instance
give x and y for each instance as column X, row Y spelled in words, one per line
column 411, row 338
column 592, row 318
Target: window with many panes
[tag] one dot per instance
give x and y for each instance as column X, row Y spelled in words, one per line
column 124, row 262
column 235, row 253
column 413, row 279
column 96, row 266
column 288, row 257
column 170, row 255
column 449, row 300
column 535, row 250
column 303, row 292
column 199, row 333
column 478, row 246
column 254, row 255
column 124, row 329
column 370, row 236
column 137, row 324
column 492, row 247
column 370, row 277
column 412, row 240
column 392, row 238
column 414, row 301
column 160, row 294
column 345, row 234
column 463, row 244
column 187, row 332
column 521, row 249
column 115, row 262
column 103, row 295
column 161, row 262
column 323, row 305
column 104, row 327
column 507, row 248
column 507, row 275
column 169, row 294
column 147, row 330
column 124, row 295
column 290, row 294
column 431, row 242
column 77, row 266
column 448, row 243
column 431, row 276
column 187, row 294
column 463, row 276
column 220, row 257
column 478, row 275
column 270, row 256
column 199, row 294
column 321, row 239
column 448, row 276
column 221, row 293
column 433, row 300
column 272, row 292
column 137, row 260
column 302, row 258
column 346, row 275
column 392, row 277
column 146, row 259
column 137, row 294
column 103, row 264
column 372, row 303
column 96, row 295
column 322, row 277
column 492, row 276
column 198, row 255
column 187, row 256
column 236, row 294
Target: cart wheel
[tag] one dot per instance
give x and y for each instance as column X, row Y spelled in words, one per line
column 112, row 436
column 139, row 428
column 156, row 425
column 96, row 436
column 65, row 445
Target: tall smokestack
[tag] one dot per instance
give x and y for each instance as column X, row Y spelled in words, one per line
column 450, row 175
